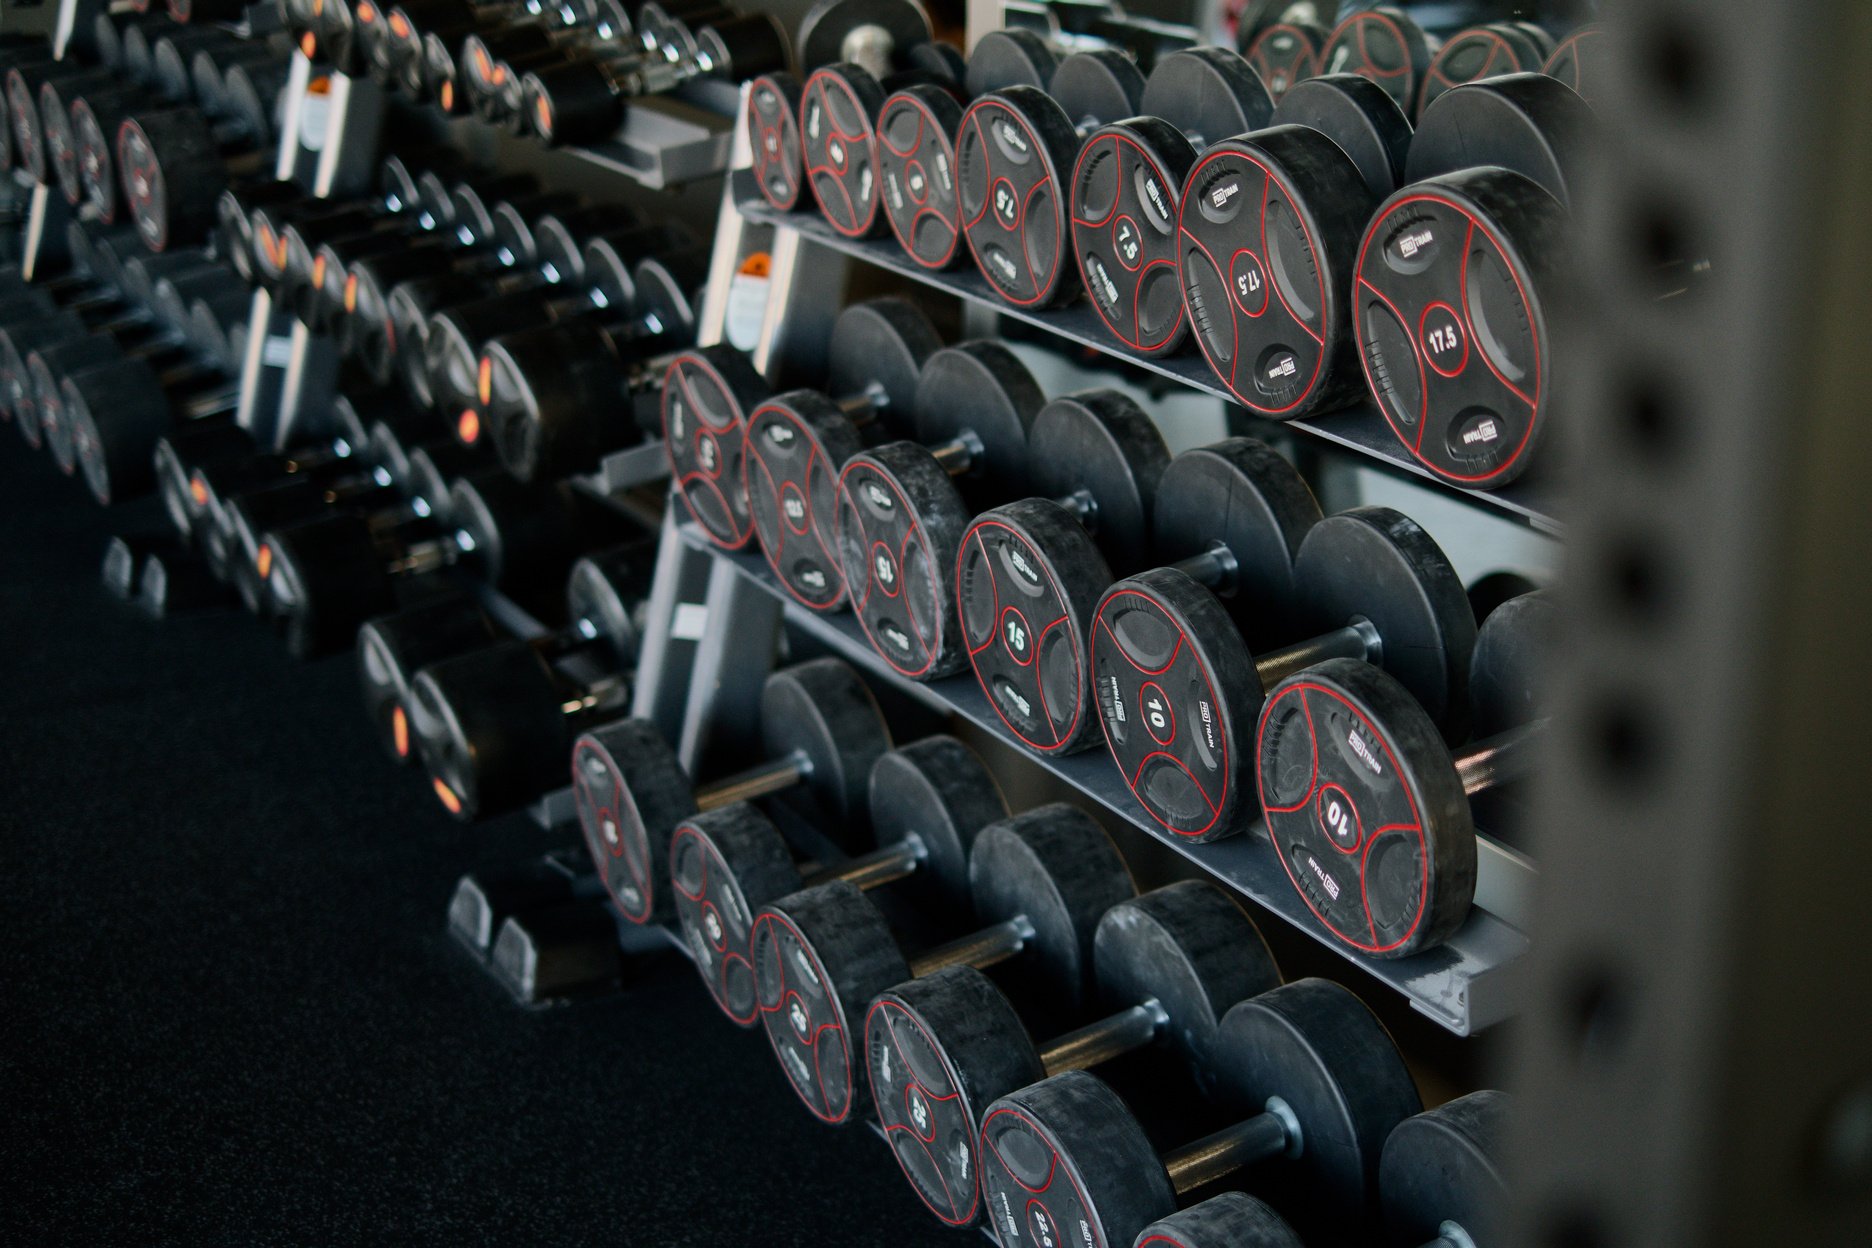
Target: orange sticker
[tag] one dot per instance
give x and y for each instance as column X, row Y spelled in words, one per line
column 350, row 292
column 366, row 13
column 198, row 490
column 263, row 562
column 399, row 26
column 399, row 732
column 308, row 45
column 447, row 96
column 760, row 264
column 468, row 428
column 318, row 271
column 484, row 380
column 447, row 796
column 542, row 112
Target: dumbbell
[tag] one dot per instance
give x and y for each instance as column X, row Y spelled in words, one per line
column 1285, row 53
column 173, row 165
column 25, row 87
column 821, row 729
column 903, row 506
column 605, row 593
column 1029, row 573
column 1178, row 687
column 62, row 150
column 1268, row 228
column 878, row 36
column 117, row 412
column 1382, row 43
column 1439, row 1177
column 1456, row 272
column 326, row 577
column 1580, row 62
column 583, row 100
column 143, row 64
column 916, row 129
column 1014, row 159
column 1127, row 182
column 940, row 1049
column 1479, row 52
column 1324, row 1086
column 1040, row 881
column 1378, row 837
column 710, row 394
column 927, row 801
column 797, row 442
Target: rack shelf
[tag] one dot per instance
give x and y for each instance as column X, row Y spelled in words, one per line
column 1466, row 985
column 1532, row 501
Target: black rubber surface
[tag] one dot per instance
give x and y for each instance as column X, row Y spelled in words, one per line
column 231, row 1013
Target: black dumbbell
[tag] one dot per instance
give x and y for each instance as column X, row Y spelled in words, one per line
column 62, row 150
column 1384, row 44
column 1378, row 837
column 1015, row 154
column 494, row 61
column 1028, row 574
column 1456, row 273
column 877, row 36
column 797, row 442
column 1284, row 53
column 1479, row 52
column 940, row 1049
column 709, row 395
column 1439, row 1177
column 1269, row 227
column 1580, row 62
column 1126, row 185
column 117, row 412
column 821, row 728
column 583, row 101
column 917, row 126
column 173, row 165
column 326, row 577
column 928, row 800
column 1040, row 881
column 901, row 515
column 25, row 88
column 605, row 594
column 1179, row 689
column 1324, row 1086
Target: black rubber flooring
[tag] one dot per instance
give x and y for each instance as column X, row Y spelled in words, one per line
column 228, row 1010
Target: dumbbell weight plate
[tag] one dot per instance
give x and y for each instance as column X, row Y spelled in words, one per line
column 1286, row 53
column 1579, row 62
column 1384, row 45
column 706, row 393
column 1508, row 668
column 774, row 138
column 1442, row 1167
column 860, row 30
column 840, row 147
column 1477, row 53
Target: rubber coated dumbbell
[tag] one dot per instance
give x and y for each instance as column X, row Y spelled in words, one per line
column 389, row 39
column 173, row 165
column 928, row 800
column 25, row 89
column 821, row 729
column 1374, row 825
column 941, row 1049
column 604, row 600
column 1439, row 1177
column 583, row 101
column 492, row 60
column 917, row 127
column 116, row 413
column 797, row 442
column 901, row 512
column 878, row 37
column 1479, row 52
column 1384, row 44
column 1179, row 690
column 1015, row 154
column 1284, row 53
column 326, row 577
column 1040, row 882
column 1321, row 1081
column 1126, row 185
column 874, row 356
column 1029, row 573
column 1456, row 272
column 1269, row 225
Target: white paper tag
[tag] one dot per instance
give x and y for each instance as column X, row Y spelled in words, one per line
column 688, row 621
column 747, row 302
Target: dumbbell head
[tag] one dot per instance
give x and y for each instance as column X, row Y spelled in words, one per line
column 940, row 1049
column 1040, row 881
column 796, row 442
column 392, row 648
column 870, row 33
column 1366, row 808
column 927, row 802
column 1483, row 52
column 116, row 414
column 1440, row 1170
column 1014, row 160
column 631, row 793
column 1383, row 44
column 1231, row 1220
column 901, row 517
column 1285, row 53
column 1457, row 270
column 1269, row 224
column 1126, row 184
column 1323, row 1086
column 171, row 172
column 1029, row 573
column 917, row 127
column 24, row 88
column 1580, row 62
